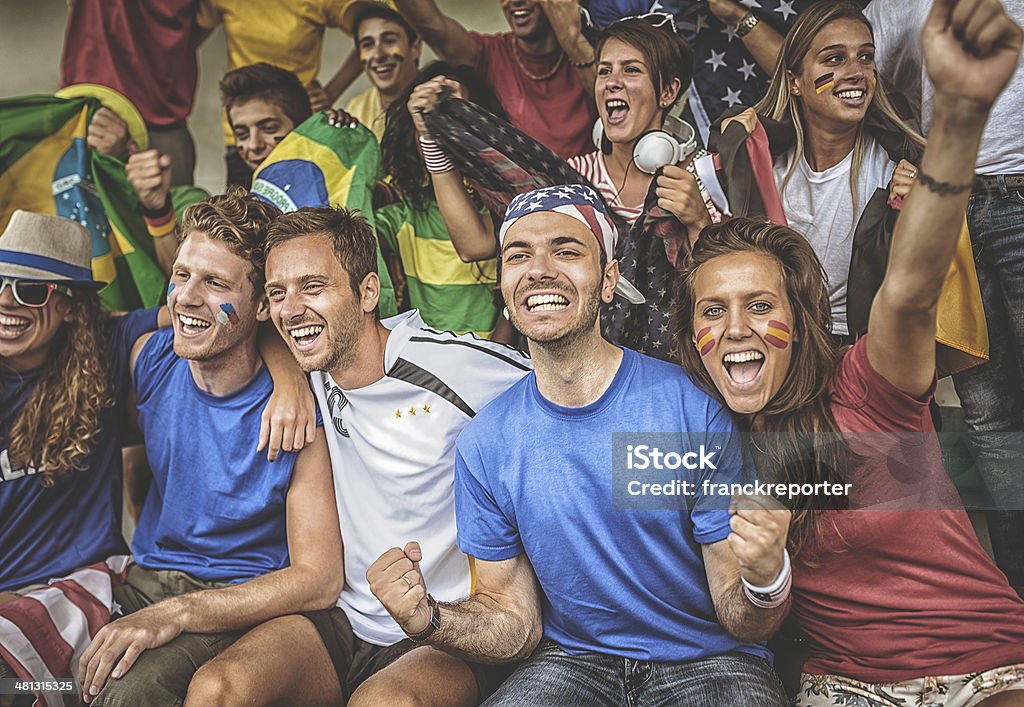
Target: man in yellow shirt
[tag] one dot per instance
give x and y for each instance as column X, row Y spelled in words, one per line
column 284, row 33
column 389, row 52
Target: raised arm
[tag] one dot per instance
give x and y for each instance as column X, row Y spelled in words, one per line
column 149, row 173
column 971, row 49
column 499, row 623
column 564, row 16
column 344, row 77
column 312, row 581
column 763, row 42
column 447, row 37
column 470, row 231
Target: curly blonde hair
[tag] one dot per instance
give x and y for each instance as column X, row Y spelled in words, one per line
column 239, row 219
column 61, row 421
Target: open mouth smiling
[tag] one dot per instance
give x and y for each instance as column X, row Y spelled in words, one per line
column 304, row 336
column 11, row 327
column 617, row 110
column 546, row 303
column 743, row 367
column 192, row 326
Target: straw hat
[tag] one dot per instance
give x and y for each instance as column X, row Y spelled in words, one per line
column 47, row 248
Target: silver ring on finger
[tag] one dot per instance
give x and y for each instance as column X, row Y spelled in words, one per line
column 408, row 584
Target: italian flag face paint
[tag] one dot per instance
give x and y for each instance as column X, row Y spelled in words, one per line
column 825, row 82
column 705, row 341
column 778, row 334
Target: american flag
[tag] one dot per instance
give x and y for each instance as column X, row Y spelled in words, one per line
column 725, row 74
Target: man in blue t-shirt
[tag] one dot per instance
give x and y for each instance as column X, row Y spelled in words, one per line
column 260, row 537
column 636, row 602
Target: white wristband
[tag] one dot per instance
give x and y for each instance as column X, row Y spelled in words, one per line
column 776, row 593
column 434, row 158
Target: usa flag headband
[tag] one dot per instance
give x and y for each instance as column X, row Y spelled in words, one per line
column 581, row 203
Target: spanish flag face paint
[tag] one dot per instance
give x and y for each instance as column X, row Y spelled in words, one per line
column 778, row 334
column 825, row 82
column 705, row 341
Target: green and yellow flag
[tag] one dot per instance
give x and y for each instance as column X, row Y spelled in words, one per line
column 318, row 164
column 46, row 167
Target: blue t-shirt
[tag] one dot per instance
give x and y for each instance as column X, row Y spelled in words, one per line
column 47, row 533
column 535, row 477
column 216, row 506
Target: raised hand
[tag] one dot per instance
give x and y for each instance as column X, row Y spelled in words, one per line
column 396, row 581
column 970, row 48
column 340, row 119
column 679, row 194
column 108, row 134
column 318, row 98
column 149, row 173
column 424, row 98
column 760, row 526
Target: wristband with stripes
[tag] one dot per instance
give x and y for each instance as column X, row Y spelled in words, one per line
column 434, row 157
column 160, row 222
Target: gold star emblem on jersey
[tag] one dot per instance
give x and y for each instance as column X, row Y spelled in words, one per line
column 412, row 411
column 398, row 413
column 426, row 409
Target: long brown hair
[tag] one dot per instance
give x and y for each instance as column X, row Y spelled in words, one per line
column 804, row 439
column 781, row 105
column 60, row 423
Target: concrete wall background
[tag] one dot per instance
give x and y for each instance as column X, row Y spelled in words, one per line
column 32, row 34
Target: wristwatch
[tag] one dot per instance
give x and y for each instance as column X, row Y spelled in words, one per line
column 748, row 23
column 434, row 625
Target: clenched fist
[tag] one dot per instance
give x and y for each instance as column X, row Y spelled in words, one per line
column 396, row 581
column 760, row 526
column 149, row 173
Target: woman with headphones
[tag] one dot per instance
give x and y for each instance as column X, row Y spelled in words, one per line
column 643, row 68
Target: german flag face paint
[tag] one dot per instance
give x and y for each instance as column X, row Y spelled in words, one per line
column 777, row 334
column 825, row 82
column 705, row 341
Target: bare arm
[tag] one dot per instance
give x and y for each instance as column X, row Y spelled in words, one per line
column 564, row 16
column 288, row 422
column 447, row 37
column 753, row 551
column 344, row 77
column 470, row 231
column 312, row 581
column 500, row 622
column 971, row 49
column 149, row 173
column 763, row 42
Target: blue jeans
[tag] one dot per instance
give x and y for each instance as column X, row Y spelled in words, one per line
column 552, row 677
column 992, row 394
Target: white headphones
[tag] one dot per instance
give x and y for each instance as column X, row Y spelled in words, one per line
column 657, row 148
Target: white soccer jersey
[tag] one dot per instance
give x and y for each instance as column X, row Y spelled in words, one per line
column 392, row 446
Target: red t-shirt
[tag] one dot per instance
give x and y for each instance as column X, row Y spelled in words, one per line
column 557, row 112
column 904, row 593
column 145, row 50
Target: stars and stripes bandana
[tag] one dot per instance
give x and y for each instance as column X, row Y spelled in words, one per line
column 580, row 202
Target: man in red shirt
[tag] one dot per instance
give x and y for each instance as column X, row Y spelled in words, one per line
column 542, row 71
column 146, row 51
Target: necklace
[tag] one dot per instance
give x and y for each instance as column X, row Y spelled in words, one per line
column 534, row 77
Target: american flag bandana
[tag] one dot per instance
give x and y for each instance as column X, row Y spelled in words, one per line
column 580, row 202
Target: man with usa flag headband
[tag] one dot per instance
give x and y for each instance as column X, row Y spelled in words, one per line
column 608, row 603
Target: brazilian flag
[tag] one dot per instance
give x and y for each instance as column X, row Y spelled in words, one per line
column 318, row 164
column 46, row 167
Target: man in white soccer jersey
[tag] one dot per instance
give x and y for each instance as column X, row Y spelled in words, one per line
column 394, row 396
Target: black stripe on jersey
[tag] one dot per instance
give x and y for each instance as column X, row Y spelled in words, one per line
column 414, row 375
column 484, row 349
